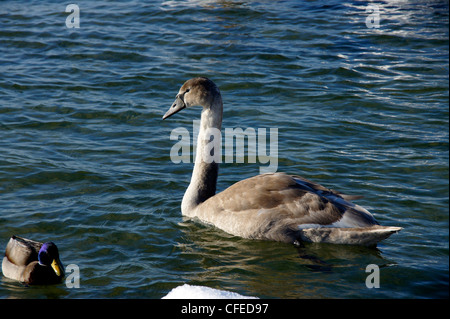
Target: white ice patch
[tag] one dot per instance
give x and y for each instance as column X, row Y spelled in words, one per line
column 200, row 292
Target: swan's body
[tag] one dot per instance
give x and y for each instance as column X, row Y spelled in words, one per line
column 272, row 206
column 32, row 262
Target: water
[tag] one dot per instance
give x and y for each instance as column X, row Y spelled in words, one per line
column 85, row 157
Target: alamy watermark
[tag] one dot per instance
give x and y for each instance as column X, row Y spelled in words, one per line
column 72, row 278
column 373, row 19
column 373, row 279
column 73, row 19
column 258, row 147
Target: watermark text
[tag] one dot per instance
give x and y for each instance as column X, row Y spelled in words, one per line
column 72, row 276
column 258, row 148
column 373, row 279
column 373, row 19
column 73, row 19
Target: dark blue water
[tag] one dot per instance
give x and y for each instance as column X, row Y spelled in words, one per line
column 85, row 157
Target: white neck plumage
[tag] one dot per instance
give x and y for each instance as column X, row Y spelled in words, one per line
column 204, row 176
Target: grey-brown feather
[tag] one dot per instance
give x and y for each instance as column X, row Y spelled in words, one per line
column 276, row 204
column 21, row 251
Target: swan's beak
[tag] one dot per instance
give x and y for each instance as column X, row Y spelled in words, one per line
column 176, row 107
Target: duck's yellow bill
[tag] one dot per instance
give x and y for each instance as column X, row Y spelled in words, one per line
column 56, row 267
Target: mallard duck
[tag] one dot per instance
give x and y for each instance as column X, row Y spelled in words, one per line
column 32, row 262
column 272, row 206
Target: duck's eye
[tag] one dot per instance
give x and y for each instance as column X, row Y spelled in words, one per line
column 187, row 91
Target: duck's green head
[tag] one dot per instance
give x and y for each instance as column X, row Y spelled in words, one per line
column 49, row 256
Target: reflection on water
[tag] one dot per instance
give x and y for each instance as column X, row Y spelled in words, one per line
column 265, row 268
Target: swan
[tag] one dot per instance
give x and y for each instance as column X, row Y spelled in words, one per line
column 271, row 206
column 32, row 262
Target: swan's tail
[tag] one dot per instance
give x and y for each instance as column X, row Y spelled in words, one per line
column 366, row 236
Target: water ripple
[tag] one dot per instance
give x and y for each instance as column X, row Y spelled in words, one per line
column 85, row 158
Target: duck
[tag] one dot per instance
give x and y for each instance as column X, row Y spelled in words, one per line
column 271, row 206
column 32, row 262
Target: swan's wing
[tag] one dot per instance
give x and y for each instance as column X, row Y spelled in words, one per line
column 281, row 196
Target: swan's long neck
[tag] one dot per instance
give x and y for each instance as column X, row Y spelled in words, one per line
column 204, row 176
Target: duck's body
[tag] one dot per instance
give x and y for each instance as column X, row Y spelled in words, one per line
column 32, row 262
column 273, row 206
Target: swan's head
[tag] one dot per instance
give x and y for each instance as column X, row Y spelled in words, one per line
column 194, row 92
